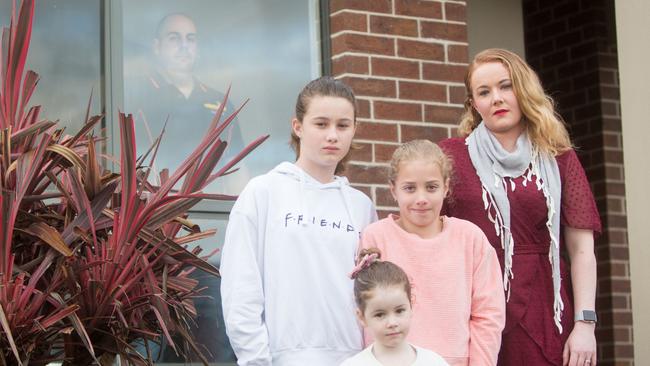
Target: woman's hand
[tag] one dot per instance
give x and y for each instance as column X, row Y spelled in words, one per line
column 580, row 348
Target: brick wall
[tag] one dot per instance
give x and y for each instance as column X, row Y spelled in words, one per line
column 406, row 62
column 572, row 44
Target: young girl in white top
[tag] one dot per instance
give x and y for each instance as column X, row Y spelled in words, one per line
column 382, row 292
column 291, row 240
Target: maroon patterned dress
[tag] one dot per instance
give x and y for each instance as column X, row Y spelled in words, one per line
column 530, row 336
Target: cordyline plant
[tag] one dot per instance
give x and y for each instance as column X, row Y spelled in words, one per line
column 93, row 261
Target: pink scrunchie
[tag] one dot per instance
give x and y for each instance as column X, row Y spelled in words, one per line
column 364, row 263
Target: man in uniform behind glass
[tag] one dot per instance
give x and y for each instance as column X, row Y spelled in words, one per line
column 170, row 89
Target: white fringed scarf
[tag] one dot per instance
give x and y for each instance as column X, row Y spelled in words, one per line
column 493, row 165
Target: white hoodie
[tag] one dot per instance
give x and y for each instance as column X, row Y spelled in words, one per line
column 290, row 245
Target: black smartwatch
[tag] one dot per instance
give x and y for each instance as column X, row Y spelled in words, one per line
column 587, row 316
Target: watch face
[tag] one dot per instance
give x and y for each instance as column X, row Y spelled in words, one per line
column 589, row 315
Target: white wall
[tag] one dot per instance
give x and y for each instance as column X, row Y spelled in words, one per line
column 633, row 29
column 495, row 23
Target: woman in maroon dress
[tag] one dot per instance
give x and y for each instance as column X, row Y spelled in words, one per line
column 518, row 178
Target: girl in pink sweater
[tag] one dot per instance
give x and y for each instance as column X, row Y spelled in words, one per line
column 459, row 302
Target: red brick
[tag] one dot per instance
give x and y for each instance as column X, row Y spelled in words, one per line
column 617, row 236
column 457, row 53
column 611, row 124
column 569, row 39
column 614, row 252
column 376, row 6
column 615, row 205
column 422, row 91
column 442, row 114
column 614, row 173
column 442, row 72
column 366, row 174
column 395, row 68
column 372, row 87
column 446, row 31
column 624, row 350
column 383, row 152
column 623, row 335
column 434, row 134
column 563, row 10
column 363, row 152
column 613, row 156
column 429, row 51
column 610, row 109
column 363, row 108
column 618, row 270
column 619, row 317
column 362, row 43
column 397, row 111
column 539, row 48
column 384, row 213
column 607, row 77
column 538, row 19
column 393, row 26
column 384, row 197
column 609, row 355
column 455, row 12
column 612, row 140
column 571, row 69
column 554, row 27
column 349, row 64
column 457, row 94
column 571, row 99
column 619, row 221
column 347, row 21
column 376, row 131
column 418, row 8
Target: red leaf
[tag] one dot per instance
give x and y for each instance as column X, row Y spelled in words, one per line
column 10, row 338
column 52, row 319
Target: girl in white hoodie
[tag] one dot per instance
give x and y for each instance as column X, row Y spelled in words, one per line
column 291, row 240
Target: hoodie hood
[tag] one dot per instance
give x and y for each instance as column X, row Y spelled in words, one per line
column 295, row 172
column 307, row 182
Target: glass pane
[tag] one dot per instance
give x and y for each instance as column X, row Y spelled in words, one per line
column 180, row 57
column 65, row 52
column 210, row 331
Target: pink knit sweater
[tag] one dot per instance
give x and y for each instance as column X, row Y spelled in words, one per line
column 458, row 297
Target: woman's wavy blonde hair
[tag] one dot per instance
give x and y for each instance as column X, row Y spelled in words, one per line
column 544, row 125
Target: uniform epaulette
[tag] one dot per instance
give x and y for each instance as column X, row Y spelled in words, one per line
column 203, row 87
column 154, row 82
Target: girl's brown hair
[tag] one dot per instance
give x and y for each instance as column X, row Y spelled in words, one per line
column 377, row 274
column 545, row 127
column 325, row 86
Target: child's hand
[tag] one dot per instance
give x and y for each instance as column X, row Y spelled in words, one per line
column 580, row 348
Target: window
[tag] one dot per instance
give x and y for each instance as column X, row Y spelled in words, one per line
column 177, row 61
column 65, row 51
column 164, row 60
